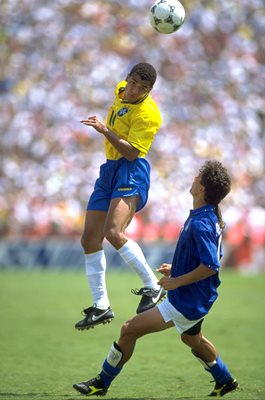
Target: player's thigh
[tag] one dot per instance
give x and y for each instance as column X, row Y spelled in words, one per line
column 147, row 322
column 94, row 226
column 120, row 213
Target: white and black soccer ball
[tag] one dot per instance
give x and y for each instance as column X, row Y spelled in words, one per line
column 167, row 16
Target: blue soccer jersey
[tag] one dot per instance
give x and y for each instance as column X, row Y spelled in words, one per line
column 199, row 243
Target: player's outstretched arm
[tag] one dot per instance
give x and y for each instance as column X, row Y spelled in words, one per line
column 123, row 147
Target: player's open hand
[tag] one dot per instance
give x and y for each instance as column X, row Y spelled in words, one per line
column 96, row 123
column 164, row 269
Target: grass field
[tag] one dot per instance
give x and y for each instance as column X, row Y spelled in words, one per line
column 41, row 355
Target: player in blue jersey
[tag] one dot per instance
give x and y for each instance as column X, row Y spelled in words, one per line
column 120, row 191
column 191, row 282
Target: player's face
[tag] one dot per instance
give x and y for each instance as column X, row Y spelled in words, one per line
column 136, row 88
column 196, row 187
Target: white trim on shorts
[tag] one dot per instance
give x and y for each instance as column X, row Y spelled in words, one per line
column 170, row 313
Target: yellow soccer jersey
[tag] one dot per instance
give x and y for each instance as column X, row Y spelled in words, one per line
column 137, row 123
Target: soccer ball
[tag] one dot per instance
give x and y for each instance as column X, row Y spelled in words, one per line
column 167, row 16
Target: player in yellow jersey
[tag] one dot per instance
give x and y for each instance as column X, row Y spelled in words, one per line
column 120, row 191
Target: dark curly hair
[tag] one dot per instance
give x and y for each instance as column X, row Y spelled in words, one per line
column 217, row 183
column 145, row 71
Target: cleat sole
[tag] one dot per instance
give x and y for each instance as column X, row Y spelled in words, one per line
column 106, row 321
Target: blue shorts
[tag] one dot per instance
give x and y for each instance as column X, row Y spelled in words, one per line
column 121, row 178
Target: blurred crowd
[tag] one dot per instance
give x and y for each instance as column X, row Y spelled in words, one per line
column 61, row 60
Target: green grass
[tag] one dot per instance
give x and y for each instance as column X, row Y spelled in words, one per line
column 41, row 355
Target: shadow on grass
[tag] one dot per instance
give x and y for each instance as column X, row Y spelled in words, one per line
column 7, row 396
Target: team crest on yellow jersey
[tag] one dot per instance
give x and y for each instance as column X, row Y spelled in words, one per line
column 123, row 111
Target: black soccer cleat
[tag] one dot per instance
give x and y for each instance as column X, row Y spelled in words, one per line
column 220, row 390
column 93, row 387
column 150, row 297
column 94, row 316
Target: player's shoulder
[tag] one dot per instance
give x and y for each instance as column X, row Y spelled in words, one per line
column 149, row 107
column 150, row 102
column 204, row 222
column 120, row 87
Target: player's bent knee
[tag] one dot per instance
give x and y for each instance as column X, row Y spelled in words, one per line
column 185, row 339
column 90, row 245
column 192, row 336
column 190, row 341
column 115, row 238
column 125, row 329
column 129, row 330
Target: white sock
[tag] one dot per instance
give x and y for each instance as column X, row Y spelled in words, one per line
column 95, row 271
column 132, row 254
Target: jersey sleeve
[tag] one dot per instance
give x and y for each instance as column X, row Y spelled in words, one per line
column 208, row 242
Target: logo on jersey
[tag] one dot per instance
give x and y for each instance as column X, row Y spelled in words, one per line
column 123, row 111
column 124, row 189
column 218, row 229
column 187, row 226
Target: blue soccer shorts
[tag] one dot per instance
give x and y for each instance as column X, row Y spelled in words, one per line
column 121, row 178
